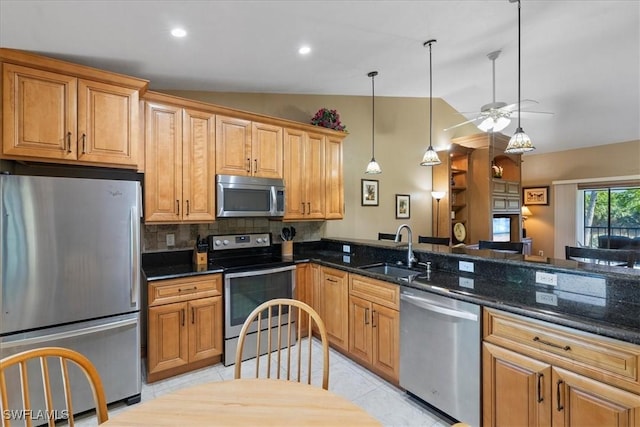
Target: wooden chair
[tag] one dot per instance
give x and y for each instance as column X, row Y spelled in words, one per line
column 445, row 241
column 388, row 236
column 516, row 247
column 616, row 256
column 292, row 352
column 19, row 363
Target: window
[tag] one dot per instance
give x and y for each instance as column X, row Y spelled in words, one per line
column 611, row 215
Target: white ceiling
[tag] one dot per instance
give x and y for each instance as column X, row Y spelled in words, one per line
column 580, row 59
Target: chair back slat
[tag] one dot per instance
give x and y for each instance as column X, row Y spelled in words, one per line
column 46, row 385
column 622, row 256
column 444, row 241
column 67, row 390
column 516, row 247
column 275, row 329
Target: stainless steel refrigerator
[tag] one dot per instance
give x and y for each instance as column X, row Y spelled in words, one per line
column 70, row 276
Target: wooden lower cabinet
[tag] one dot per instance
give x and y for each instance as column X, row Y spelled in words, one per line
column 581, row 401
column 516, row 389
column 553, row 376
column 334, row 298
column 185, row 325
column 374, row 325
column 304, row 293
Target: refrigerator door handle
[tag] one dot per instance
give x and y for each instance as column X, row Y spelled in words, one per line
column 135, row 256
column 69, row 334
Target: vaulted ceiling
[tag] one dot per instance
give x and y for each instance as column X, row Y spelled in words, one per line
column 580, row 59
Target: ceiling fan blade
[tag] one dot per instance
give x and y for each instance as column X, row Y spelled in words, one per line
column 525, row 103
column 463, row 123
column 532, row 114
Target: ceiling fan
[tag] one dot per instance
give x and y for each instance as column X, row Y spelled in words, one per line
column 495, row 116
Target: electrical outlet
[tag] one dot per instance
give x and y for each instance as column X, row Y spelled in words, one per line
column 465, row 282
column 465, row 266
column 546, row 278
column 346, row 248
column 540, row 253
column 545, row 298
column 171, row 239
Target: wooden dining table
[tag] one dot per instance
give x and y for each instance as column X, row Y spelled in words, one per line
column 242, row 402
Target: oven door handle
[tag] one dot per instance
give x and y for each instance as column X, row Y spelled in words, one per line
column 431, row 306
column 260, row 272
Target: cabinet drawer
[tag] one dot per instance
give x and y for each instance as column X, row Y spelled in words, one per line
column 377, row 291
column 603, row 358
column 184, row 289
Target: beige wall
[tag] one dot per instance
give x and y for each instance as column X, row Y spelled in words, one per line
column 611, row 160
column 401, row 137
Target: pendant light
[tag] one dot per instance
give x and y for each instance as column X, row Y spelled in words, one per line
column 430, row 157
column 520, row 141
column 373, row 167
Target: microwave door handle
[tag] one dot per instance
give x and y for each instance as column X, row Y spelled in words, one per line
column 428, row 305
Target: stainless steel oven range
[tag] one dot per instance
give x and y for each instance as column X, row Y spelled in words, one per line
column 253, row 273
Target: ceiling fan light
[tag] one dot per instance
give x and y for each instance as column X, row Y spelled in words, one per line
column 491, row 124
column 519, row 143
column 373, row 167
column 430, row 158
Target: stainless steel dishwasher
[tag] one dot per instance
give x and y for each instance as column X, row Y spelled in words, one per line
column 440, row 353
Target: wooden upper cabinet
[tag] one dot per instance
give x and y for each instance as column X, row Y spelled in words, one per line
column 334, row 203
column 198, row 170
column 248, row 148
column 304, row 175
column 107, row 123
column 90, row 117
column 179, row 163
column 39, row 113
column 266, row 150
column 233, row 146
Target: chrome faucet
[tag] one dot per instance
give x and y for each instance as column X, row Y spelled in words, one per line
column 410, row 258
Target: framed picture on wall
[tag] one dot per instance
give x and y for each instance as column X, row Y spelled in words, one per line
column 369, row 192
column 535, row 196
column 403, row 206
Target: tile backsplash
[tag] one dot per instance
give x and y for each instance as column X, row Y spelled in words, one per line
column 155, row 236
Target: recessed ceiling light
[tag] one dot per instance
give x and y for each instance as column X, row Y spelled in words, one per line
column 178, row 32
column 304, row 50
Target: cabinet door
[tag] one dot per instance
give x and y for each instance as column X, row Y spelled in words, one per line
column 198, row 162
column 335, row 306
column 168, row 341
column 304, row 293
column 107, row 123
column 266, row 150
column 315, row 176
column 40, row 112
column 360, row 330
column 385, row 326
column 581, row 401
column 205, row 328
column 233, row 146
column 163, row 163
column 315, row 275
column 334, row 203
column 294, row 174
column 516, row 389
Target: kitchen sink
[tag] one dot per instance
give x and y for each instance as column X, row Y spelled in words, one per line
column 391, row 270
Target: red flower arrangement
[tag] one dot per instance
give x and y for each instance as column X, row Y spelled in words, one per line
column 328, row 119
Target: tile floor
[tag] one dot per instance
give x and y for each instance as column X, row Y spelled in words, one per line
column 385, row 402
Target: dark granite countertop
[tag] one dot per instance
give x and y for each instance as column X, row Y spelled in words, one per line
column 606, row 302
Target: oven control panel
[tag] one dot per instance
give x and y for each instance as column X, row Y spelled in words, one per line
column 239, row 241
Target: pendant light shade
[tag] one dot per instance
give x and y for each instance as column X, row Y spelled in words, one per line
column 430, row 156
column 373, row 167
column 520, row 141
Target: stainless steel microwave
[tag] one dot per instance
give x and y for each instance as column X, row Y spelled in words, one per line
column 241, row 196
